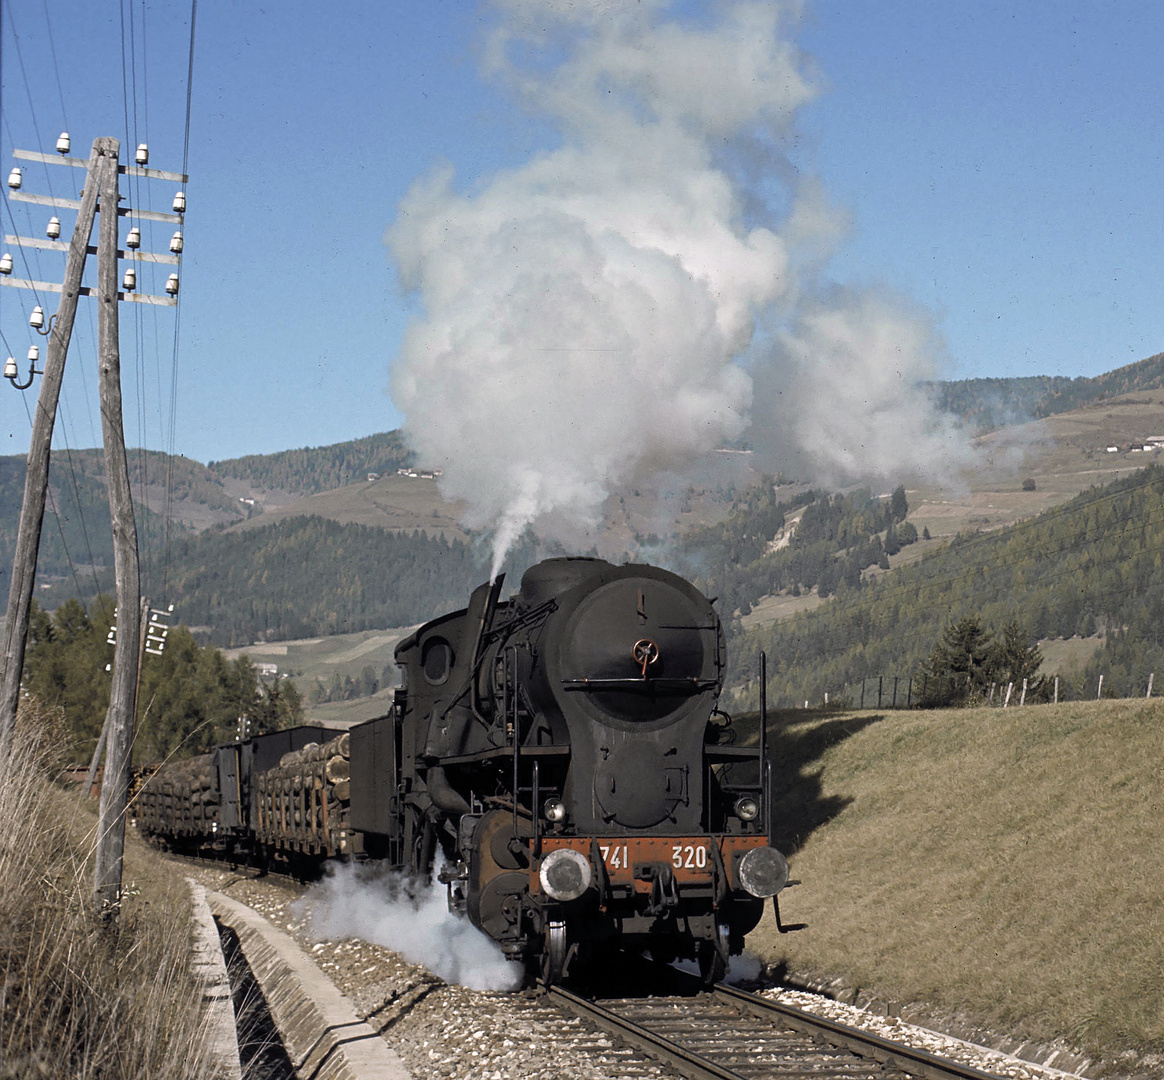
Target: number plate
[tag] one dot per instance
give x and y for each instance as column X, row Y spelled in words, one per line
column 690, row 857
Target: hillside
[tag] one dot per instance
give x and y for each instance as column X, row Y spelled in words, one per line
column 309, row 576
column 1022, row 470
column 312, row 469
column 1092, row 564
column 997, row 866
column 993, row 403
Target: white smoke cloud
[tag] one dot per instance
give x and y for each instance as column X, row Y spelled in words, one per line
column 373, row 905
column 591, row 316
column 846, row 379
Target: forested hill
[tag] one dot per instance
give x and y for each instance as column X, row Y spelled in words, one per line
column 1094, row 564
column 993, row 403
column 318, row 468
column 76, row 533
column 309, row 576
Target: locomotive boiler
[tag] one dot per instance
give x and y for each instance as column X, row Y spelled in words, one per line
column 558, row 760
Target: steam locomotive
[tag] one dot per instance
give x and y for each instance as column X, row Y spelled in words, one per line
column 555, row 758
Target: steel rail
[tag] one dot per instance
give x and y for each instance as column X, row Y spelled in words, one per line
column 690, row 1064
column 887, row 1051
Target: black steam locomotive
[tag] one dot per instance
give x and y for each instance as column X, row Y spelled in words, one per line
column 556, row 758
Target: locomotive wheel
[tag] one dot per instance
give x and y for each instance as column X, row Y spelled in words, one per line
column 713, row 957
column 555, row 947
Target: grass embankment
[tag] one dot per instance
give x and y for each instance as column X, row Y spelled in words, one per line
column 1006, row 865
column 78, row 999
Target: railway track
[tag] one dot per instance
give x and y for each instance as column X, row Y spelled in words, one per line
column 727, row 1034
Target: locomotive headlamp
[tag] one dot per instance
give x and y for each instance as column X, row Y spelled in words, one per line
column 747, row 808
column 554, row 810
column 565, row 874
column 763, row 872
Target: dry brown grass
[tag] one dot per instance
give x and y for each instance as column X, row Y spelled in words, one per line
column 78, row 999
column 1007, row 864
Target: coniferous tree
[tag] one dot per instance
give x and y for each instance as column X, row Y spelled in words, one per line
column 1017, row 657
column 961, row 664
column 898, row 506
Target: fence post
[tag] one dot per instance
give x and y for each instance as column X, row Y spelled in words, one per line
column 1023, row 698
column 880, row 683
column 1009, row 688
column 1150, row 678
column 909, row 694
column 1056, row 689
column 862, row 692
column 1099, row 692
column 990, row 696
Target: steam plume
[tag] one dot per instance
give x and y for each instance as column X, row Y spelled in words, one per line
column 385, row 909
column 606, row 309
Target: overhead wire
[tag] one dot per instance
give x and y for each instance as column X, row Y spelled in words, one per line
column 129, row 100
column 56, row 67
column 66, row 421
column 80, row 509
column 32, row 276
column 171, row 445
column 150, row 314
column 60, row 527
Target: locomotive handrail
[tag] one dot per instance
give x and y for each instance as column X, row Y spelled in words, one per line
column 714, row 752
column 494, row 752
column 664, row 683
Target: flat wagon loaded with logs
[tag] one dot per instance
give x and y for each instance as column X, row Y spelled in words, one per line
column 285, row 796
column 304, row 803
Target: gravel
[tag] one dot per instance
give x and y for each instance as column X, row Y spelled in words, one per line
column 444, row 1030
column 890, row 1027
column 439, row 1029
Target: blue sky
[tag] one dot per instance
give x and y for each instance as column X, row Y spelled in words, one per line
column 999, row 165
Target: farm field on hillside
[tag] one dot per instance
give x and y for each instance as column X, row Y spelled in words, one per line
column 324, row 658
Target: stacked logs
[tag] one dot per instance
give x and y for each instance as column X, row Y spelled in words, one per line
column 304, row 802
column 180, row 800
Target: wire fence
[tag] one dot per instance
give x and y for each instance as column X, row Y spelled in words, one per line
column 924, row 691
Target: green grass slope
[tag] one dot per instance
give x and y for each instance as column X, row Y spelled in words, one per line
column 1004, row 865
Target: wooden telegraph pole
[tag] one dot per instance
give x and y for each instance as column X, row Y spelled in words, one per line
column 102, row 185
column 40, row 445
column 119, row 723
